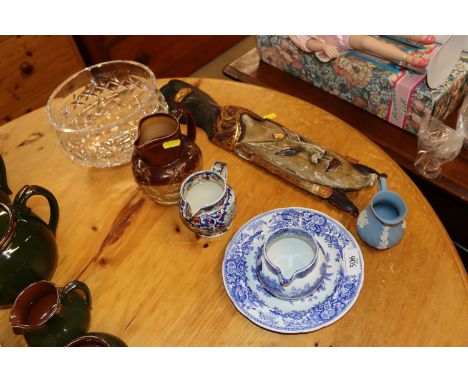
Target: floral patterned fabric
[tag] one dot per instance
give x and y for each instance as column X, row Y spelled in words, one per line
column 363, row 83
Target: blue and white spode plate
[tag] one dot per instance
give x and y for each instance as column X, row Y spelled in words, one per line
column 333, row 299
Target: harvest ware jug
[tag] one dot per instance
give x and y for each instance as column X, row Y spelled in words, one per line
column 163, row 157
column 47, row 315
column 382, row 223
column 28, row 251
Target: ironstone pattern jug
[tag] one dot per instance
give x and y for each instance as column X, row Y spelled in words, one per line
column 28, row 251
column 47, row 315
column 4, row 189
column 163, row 157
column 207, row 203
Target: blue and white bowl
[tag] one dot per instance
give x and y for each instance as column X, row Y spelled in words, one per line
column 291, row 264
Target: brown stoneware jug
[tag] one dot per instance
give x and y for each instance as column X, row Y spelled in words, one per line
column 4, row 189
column 97, row 339
column 28, row 251
column 47, row 315
column 163, row 157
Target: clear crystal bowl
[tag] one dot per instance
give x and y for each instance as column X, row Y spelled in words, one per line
column 96, row 111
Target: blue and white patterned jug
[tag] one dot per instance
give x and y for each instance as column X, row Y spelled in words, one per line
column 382, row 223
column 207, row 202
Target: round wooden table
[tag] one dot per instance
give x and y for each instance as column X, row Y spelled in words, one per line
column 154, row 283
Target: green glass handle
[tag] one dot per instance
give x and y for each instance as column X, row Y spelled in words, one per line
column 8, row 235
column 27, row 191
column 71, row 286
column 3, row 178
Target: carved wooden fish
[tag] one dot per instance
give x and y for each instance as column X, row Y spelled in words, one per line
column 302, row 162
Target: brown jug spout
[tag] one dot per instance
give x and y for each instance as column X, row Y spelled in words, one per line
column 34, row 306
column 17, row 329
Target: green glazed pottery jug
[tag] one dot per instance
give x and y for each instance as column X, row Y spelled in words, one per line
column 47, row 315
column 97, row 339
column 28, row 251
column 4, row 189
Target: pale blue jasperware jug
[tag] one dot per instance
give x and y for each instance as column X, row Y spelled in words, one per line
column 382, row 223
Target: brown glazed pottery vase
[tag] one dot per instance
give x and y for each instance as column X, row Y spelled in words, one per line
column 97, row 339
column 4, row 189
column 47, row 315
column 163, row 157
column 28, row 251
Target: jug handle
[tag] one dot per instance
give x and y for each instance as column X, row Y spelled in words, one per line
column 221, row 169
column 71, row 286
column 27, row 191
column 191, row 124
column 3, row 177
column 5, row 240
column 382, row 183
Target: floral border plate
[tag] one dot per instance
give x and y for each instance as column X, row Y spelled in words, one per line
column 335, row 296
